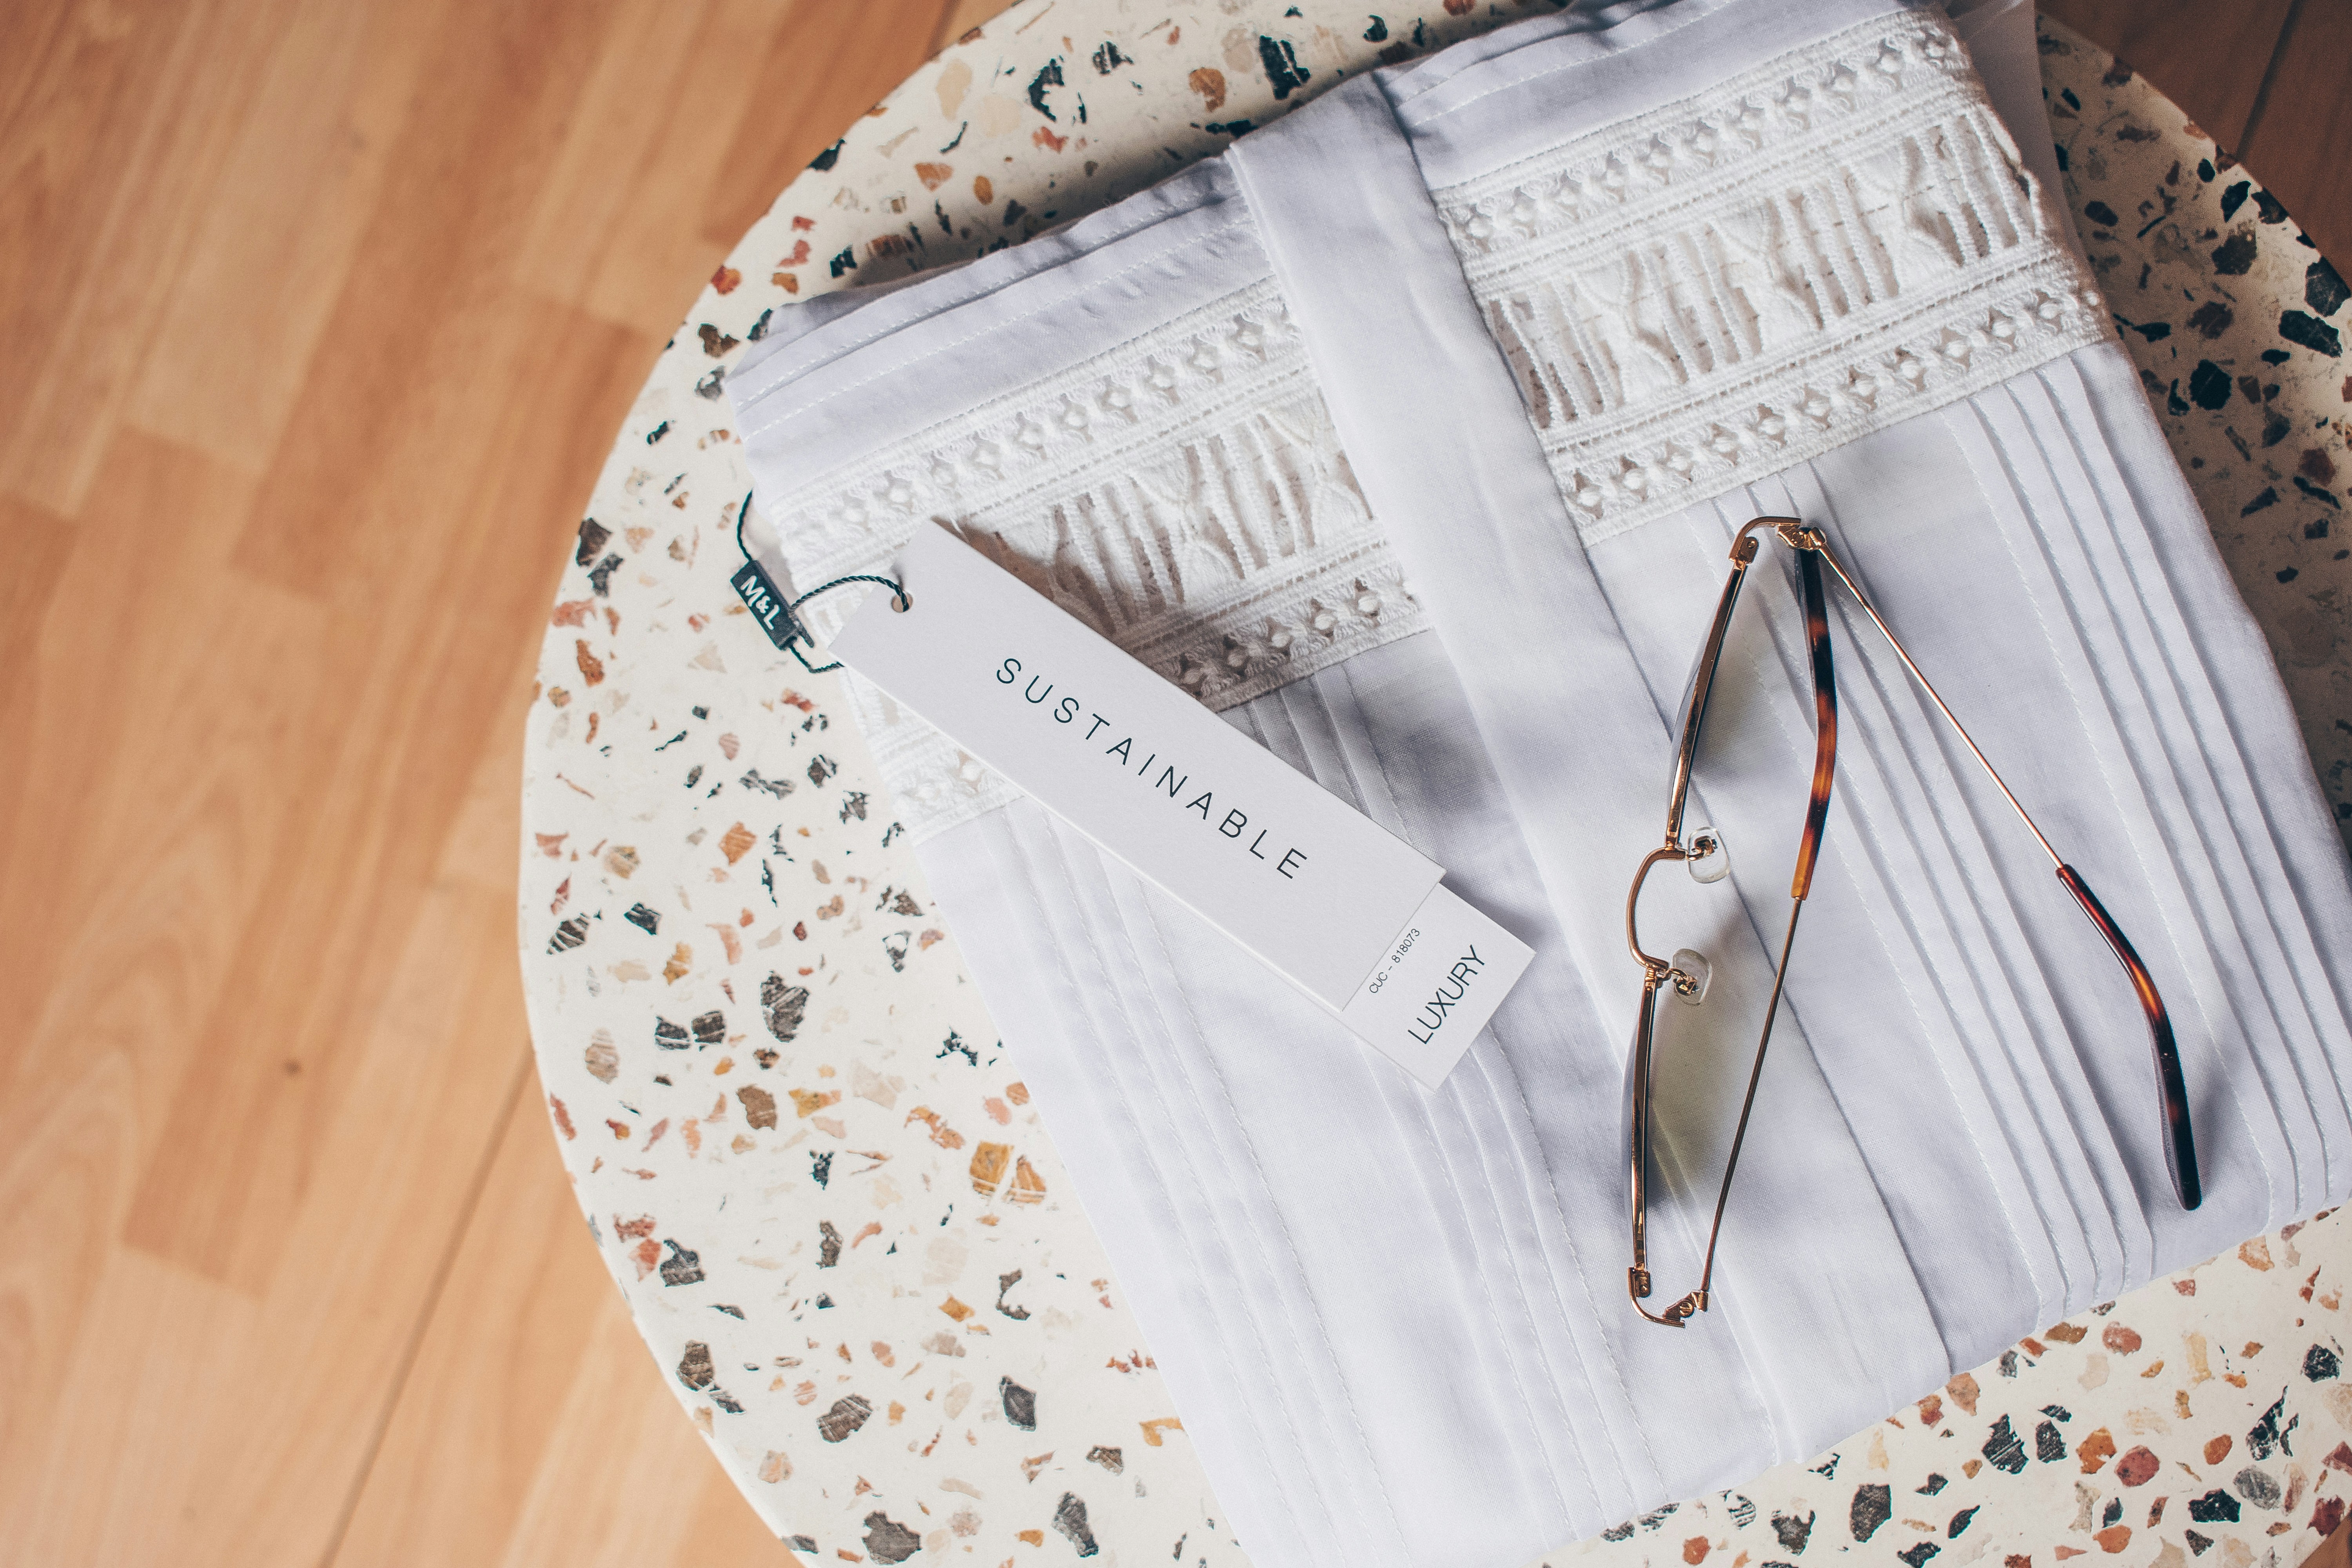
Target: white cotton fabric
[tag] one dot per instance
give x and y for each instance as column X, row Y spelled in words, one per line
column 1351, row 434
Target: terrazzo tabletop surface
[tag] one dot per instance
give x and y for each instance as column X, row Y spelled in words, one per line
column 810, row 1162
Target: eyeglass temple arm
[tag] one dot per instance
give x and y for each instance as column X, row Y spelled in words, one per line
column 1809, row 850
column 2180, row 1141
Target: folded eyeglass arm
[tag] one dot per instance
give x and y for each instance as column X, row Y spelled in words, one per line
column 2173, row 1088
column 2179, row 1144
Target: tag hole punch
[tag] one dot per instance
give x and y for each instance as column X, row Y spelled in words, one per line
column 781, row 620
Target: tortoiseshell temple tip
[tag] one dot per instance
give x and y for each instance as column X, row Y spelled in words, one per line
column 2181, row 1140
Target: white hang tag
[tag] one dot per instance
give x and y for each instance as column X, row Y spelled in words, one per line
column 1342, row 909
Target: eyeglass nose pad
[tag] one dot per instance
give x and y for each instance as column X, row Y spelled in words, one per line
column 1691, row 973
column 1710, row 858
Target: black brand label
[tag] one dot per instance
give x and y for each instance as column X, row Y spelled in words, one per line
column 766, row 602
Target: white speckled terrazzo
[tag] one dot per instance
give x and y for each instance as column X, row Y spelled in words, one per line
column 810, row 1162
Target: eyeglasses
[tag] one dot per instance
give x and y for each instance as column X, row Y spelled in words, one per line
column 1686, row 973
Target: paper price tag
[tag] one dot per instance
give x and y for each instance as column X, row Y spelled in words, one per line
column 1344, row 909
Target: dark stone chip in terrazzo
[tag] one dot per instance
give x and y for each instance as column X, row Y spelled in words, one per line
column 669, row 1037
column 2234, row 198
column 1935, row 1484
column 1070, row 1518
column 2268, row 498
column 1873, row 1506
column 1111, row 1459
column 644, row 919
column 1961, row 1521
column 2266, row 1434
column 802, row 1544
column 600, row 576
column 828, row 1252
column 1793, row 1531
column 784, row 1006
column 2211, row 319
column 2320, row 1363
column 847, row 1414
column 2100, row 213
column 1280, row 58
column 1743, row 1512
column 2002, row 1449
column 2111, row 1512
column 682, row 1267
column 2198, row 1545
column 2256, row 1486
column 695, row 1369
column 2057, row 1412
column 2269, row 206
column 2216, row 1507
column 2234, row 258
column 709, row 1028
column 777, row 787
column 593, row 535
column 2311, row 332
column 1920, row 1553
column 568, row 935
column 2049, row 1445
column 888, row 1540
column 821, row 1165
column 1617, row 1532
column 2208, row 385
column 1020, row 1403
column 2323, row 288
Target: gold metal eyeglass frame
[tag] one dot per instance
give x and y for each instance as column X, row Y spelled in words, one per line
column 1813, row 552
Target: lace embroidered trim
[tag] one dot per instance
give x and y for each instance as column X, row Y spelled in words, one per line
column 1184, row 494
column 1720, row 288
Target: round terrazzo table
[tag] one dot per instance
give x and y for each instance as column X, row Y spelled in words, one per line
column 810, row 1162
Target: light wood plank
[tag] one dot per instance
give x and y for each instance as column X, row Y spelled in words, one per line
column 279, row 235
column 613, row 226
column 513, row 1333
column 112, row 154
column 834, row 64
column 627, row 1481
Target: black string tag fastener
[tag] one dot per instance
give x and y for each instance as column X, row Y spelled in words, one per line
column 775, row 614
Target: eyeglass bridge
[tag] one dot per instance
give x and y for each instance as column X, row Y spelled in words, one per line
column 1792, row 533
column 1688, row 972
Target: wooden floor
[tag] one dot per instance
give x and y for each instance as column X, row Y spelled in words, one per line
column 270, row 589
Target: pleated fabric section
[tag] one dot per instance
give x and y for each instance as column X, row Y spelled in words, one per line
column 1387, row 1313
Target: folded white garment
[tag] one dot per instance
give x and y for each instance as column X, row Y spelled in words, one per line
column 1411, row 436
